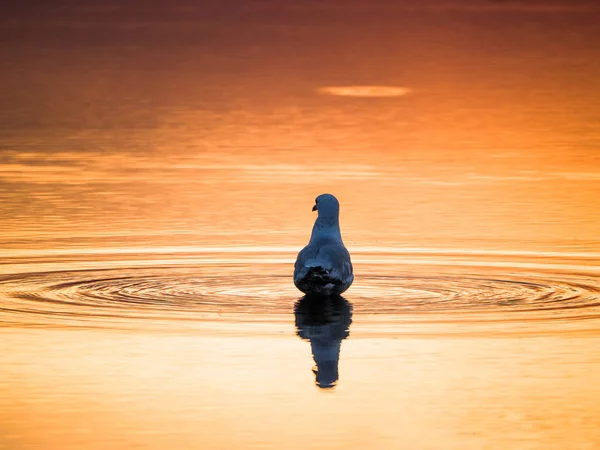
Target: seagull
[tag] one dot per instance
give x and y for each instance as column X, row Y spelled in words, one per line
column 323, row 267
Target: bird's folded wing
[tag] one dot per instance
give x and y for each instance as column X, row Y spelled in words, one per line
column 332, row 257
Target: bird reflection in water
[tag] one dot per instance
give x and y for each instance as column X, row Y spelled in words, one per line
column 325, row 322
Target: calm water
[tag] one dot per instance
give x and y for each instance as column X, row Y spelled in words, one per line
column 157, row 170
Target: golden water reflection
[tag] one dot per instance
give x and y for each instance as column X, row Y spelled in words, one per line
column 158, row 163
column 105, row 389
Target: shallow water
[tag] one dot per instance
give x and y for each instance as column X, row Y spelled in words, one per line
column 158, row 164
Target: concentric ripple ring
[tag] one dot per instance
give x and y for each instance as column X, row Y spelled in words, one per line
column 215, row 290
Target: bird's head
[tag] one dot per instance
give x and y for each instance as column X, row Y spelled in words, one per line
column 326, row 205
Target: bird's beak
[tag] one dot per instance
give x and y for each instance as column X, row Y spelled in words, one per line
column 315, row 208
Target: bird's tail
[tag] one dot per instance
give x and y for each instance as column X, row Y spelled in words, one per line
column 317, row 275
column 316, row 280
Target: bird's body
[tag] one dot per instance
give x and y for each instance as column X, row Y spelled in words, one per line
column 324, row 267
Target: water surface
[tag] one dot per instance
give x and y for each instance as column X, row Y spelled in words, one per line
column 158, row 164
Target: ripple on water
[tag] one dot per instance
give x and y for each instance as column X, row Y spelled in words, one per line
column 404, row 287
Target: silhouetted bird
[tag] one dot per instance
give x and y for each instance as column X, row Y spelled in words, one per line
column 323, row 267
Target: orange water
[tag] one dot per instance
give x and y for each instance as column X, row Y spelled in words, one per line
column 158, row 165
